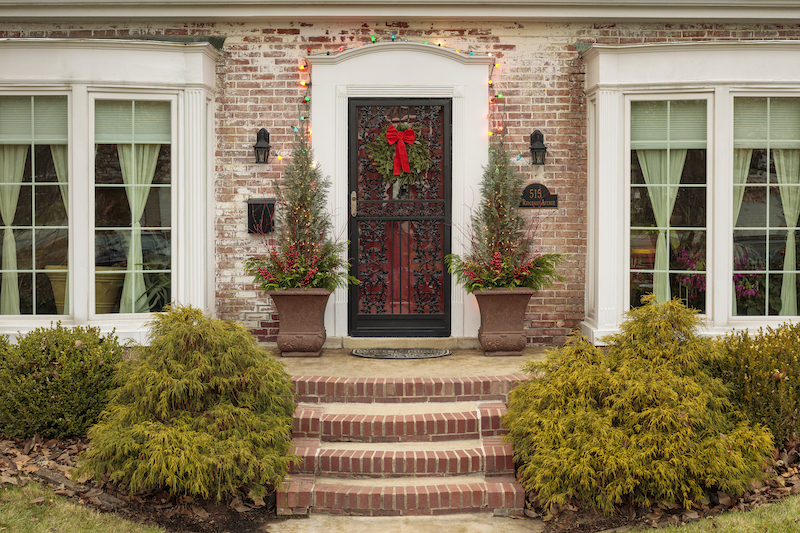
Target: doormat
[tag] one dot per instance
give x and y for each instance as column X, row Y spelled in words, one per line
column 400, row 353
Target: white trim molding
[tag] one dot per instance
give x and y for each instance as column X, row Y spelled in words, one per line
column 715, row 71
column 85, row 69
column 404, row 70
column 617, row 11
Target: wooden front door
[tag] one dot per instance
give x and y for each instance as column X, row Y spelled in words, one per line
column 399, row 235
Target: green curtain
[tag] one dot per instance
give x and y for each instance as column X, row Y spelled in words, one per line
column 61, row 164
column 787, row 167
column 138, row 162
column 12, row 167
column 662, row 171
column 741, row 168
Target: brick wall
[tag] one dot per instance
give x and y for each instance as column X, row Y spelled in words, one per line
column 540, row 75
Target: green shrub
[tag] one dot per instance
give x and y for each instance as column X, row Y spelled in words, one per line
column 638, row 421
column 763, row 371
column 202, row 411
column 55, row 381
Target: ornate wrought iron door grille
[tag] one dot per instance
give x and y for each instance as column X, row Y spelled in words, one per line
column 399, row 235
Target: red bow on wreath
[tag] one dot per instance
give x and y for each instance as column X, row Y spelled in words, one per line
column 400, row 154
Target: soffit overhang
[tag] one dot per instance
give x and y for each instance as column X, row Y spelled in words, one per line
column 596, row 11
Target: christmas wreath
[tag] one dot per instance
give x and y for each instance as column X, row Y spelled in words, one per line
column 400, row 153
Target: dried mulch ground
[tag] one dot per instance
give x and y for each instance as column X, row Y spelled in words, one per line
column 52, row 462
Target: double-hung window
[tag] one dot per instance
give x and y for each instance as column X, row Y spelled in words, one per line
column 668, row 201
column 766, row 205
column 693, row 182
column 34, row 196
column 105, row 182
column 133, row 208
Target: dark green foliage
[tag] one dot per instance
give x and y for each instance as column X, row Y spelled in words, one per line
column 640, row 420
column 383, row 155
column 763, row 371
column 55, row 381
column 502, row 251
column 305, row 254
column 202, row 411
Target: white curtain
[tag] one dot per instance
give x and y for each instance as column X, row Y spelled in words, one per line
column 138, row 164
column 12, row 167
column 787, row 167
column 60, row 162
column 662, row 173
column 741, row 168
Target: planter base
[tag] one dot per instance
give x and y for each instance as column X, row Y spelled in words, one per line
column 301, row 313
column 502, row 331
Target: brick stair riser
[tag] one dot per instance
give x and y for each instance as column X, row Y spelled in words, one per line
column 493, row 458
column 320, row 389
column 297, row 497
column 310, row 422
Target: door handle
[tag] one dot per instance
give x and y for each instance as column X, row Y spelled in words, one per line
column 353, row 204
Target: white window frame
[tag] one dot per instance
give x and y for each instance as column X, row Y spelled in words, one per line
column 617, row 75
column 183, row 74
column 175, row 155
column 708, row 96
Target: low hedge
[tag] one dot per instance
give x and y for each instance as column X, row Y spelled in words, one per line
column 55, row 381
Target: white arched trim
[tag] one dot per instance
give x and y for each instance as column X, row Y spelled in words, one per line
column 404, row 70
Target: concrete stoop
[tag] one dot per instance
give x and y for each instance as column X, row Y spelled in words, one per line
column 441, row 454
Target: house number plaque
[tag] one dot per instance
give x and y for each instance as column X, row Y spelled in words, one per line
column 537, row 196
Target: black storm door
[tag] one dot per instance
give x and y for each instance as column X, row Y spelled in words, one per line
column 399, row 234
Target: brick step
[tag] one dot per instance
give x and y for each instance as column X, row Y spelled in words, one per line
column 400, row 496
column 419, row 422
column 323, row 389
column 489, row 456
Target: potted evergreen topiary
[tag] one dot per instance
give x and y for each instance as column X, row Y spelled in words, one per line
column 305, row 265
column 502, row 269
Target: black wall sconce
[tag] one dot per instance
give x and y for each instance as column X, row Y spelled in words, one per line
column 260, row 215
column 538, row 149
column 262, row 146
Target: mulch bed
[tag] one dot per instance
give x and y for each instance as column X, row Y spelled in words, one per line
column 52, row 462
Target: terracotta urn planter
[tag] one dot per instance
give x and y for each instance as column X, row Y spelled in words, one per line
column 502, row 330
column 301, row 313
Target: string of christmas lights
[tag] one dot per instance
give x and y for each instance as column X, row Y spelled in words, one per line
column 495, row 99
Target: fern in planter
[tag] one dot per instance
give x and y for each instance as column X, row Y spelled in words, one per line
column 202, row 411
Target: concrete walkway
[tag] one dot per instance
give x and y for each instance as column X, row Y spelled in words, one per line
column 461, row 523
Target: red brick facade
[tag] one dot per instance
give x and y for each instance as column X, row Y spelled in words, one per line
column 540, row 74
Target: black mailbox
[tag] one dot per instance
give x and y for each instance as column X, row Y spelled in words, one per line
column 260, row 215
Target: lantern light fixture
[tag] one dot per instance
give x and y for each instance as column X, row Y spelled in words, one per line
column 262, row 147
column 538, row 149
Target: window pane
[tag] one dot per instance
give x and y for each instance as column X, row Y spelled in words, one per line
column 643, row 250
column 51, row 247
column 111, row 208
column 50, row 208
column 694, row 169
column 668, row 194
column 690, row 289
column 690, row 208
column 641, row 209
column 158, row 208
column 33, row 217
column 749, row 250
column 106, row 165
column 132, row 175
column 770, row 204
column 750, row 291
column 641, row 285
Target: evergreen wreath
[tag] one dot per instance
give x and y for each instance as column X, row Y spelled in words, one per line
column 383, row 154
